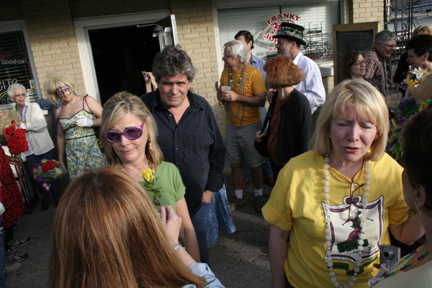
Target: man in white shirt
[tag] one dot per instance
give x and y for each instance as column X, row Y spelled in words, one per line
column 290, row 37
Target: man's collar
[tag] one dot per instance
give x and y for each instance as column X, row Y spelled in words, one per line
column 379, row 56
column 297, row 58
column 252, row 59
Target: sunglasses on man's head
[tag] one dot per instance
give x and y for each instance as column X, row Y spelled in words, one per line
column 131, row 133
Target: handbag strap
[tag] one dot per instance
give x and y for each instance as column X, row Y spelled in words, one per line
column 270, row 111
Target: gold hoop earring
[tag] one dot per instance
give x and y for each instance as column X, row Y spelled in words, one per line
column 328, row 133
column 417, row 208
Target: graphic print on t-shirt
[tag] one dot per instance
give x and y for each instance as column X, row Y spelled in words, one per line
column 345, row 226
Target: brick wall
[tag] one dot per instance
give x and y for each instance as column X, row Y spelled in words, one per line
column 53, row 41
column 195, row 31
column 367, row 11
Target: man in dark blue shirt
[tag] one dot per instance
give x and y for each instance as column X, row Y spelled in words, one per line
column 188, row 135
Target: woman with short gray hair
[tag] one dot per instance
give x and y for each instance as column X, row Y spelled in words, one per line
column 39, row 141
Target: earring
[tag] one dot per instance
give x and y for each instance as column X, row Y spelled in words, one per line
column 328, row 133
column 149, row 144
column 417, row 208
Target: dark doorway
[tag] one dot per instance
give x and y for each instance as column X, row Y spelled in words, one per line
column 119, row 55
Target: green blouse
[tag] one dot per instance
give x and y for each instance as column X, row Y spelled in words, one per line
column 168, row 179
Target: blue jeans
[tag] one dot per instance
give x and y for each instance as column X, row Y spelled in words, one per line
column 31, row 162
column 2, row 257
column 199, row 221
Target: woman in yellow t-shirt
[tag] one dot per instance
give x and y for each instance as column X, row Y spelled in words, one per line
column 338, row 202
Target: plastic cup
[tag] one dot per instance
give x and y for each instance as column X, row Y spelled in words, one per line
column 226, row 88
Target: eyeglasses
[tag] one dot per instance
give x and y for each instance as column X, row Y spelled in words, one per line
column 390, row 46
column 359, row 63
column 20, row 95
column 131, row 133
column 226, row 56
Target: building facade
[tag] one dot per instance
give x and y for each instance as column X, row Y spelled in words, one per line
column 105, row 44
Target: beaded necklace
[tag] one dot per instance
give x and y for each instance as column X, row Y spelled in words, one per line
column 361, row 236
column 405, row 259
column 242, row 83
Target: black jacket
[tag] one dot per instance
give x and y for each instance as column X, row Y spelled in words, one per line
column 295, row 129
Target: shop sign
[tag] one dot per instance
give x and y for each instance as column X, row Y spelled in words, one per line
column 274, row 21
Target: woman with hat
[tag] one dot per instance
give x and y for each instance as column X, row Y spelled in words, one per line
column 290, row 126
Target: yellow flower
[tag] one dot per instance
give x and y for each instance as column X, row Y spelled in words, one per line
column 147, row 175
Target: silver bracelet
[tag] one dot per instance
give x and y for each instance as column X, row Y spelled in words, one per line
column 176, row 247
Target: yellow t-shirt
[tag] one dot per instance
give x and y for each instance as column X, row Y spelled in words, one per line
column 297, row 205
column 239, row 114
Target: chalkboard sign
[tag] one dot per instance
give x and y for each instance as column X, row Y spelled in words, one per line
column 351, row 37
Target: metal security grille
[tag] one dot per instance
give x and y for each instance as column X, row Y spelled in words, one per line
column 14, row 63
column 317, row 18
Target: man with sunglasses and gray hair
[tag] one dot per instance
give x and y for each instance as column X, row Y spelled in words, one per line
column 189, row 135
column 376, row 57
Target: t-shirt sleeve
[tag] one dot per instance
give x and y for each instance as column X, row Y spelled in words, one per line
column 399, row 211
column 277, row 211
column 257, row 80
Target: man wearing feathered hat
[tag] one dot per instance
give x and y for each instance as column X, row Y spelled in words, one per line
column 290, row 37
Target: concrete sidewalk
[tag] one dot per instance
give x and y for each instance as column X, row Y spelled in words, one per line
column 238, row 260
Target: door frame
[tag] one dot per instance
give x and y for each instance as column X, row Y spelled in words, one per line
column 83, row 25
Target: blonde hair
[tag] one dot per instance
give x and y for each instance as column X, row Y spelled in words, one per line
column 114, row 110
column 366, row 101
column 55, row 82
column 421, row 28
column 106, row 233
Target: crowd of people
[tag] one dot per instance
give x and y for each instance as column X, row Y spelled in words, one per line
column 136, row 210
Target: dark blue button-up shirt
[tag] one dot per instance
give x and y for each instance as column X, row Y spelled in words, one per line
column 194, row 145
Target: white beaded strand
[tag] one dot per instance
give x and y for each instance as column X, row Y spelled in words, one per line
column 328, row 236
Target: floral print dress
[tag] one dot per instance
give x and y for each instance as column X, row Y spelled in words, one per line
column 83, row 152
